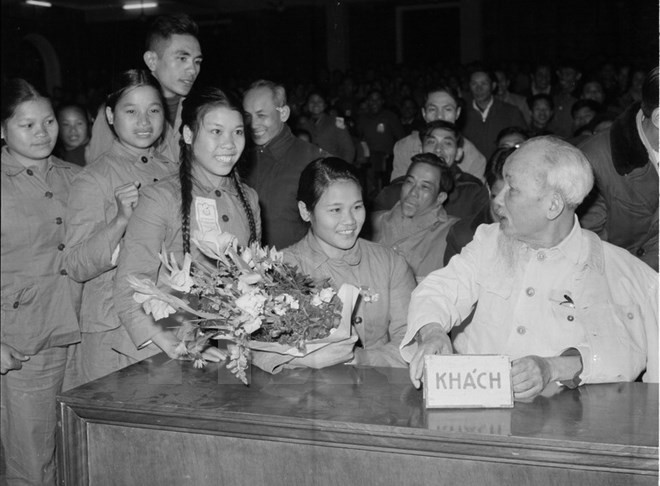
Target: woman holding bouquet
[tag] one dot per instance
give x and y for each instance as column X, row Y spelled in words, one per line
column 100, row 205
column 206, row 201
column 330, row 200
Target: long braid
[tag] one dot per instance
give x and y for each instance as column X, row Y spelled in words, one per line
column 246, row 206
column 186, row 195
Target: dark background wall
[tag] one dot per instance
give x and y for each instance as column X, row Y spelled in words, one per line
column 292, row 44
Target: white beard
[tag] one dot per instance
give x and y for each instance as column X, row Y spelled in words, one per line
column 509, row 251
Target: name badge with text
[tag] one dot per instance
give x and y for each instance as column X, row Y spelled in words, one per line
column 467, row 381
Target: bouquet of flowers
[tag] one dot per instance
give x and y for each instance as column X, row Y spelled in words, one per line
column 254, row 299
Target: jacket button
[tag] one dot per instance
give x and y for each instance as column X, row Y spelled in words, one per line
column 521, row 330
column 58, row 220
column 29, row 172
column 641, row 252
column 218, row 193
column 16, row 304
column 48, row 194
column 60, row 246
column 64, row 272
column 530, row 291
column 357, row 320
column 570, row 318
column 225, row 218
column 144, row 159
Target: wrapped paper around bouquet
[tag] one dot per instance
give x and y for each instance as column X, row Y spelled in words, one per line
column 319, row 353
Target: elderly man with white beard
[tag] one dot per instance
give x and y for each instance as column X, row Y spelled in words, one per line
column 564, row 305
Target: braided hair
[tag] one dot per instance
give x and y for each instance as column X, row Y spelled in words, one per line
column 195, row 107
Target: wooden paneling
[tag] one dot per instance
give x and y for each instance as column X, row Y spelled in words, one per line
column 162, row 422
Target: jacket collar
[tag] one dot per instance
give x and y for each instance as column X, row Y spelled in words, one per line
column 279, row 144
column 628, row 151
column 12, row 167
column 318, row 257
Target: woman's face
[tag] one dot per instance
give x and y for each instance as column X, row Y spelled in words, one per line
column 31, row 132
column 218, row 143
column 73, row 127
column 337, row 218
column 138, row 117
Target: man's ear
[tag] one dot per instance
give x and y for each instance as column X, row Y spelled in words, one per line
column 187, row 134
column 150, row 59
column 655, row 118
column 442, row 197
column 458, row 112
column 304, row 214
column 459, row 155
column 557, row 206
column 109, row 115
column 285, row 111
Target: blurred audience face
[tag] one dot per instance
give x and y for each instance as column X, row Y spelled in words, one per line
column 583, row 117
column 315, row 105
column 420, row 189
column 264, row 118
column 593, row 90
column 375, row 103
column 542, row 78
column 441, row 106
column 502, row 82
column 568, row 78
column 74, row 130
column 541, row 113
column 481, row 87
column 443, row 143
column 511, row 140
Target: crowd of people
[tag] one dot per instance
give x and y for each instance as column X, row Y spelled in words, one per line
column 491, row 212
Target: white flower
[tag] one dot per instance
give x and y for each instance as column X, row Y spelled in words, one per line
column 252, row 325
column 316, row 300
column 180, row 278
column 251, row 303
column 327, row 294
column 213, row 243
column 158, row 308
column 247, row 256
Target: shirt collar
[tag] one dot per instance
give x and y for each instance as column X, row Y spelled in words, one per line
column 134, row 157
column 318, row 257
column 201, row 180
column 431, row 215
column 652, row 151
column 484, row 113
column 577, row 249
column 12, row 167
column 279, row 142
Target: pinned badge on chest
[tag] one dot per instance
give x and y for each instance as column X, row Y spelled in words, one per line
column 206, row 215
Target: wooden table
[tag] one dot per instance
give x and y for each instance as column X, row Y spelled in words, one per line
column 162, row 422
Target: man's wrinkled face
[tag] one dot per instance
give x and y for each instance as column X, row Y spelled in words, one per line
column 264, row 118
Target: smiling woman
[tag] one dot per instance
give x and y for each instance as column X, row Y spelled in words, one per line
column 207, row 201
column 330, row 200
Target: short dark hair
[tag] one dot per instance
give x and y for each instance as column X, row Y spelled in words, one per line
column 14, row 92
column 166, row 26
column 444, row 125
column 650, row 93
column 495, row 165
column 584, row 103
column 278, row 91
column 511, row 131
column 540, row 96
column 442, row 89
column 319, row 174
column 446, row 183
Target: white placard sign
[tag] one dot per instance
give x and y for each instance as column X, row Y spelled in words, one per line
column 467, row 381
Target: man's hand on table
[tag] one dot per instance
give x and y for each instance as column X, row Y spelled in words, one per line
column 531, row 374
column 432, row 339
